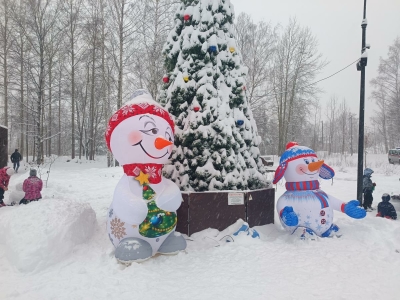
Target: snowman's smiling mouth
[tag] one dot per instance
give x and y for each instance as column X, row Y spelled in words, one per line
column 308, row 173
column 148, row 154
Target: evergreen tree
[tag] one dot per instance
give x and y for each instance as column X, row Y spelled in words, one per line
column 216, row 136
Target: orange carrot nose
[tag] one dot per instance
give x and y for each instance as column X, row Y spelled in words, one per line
column 314, row 166
column 161, row 143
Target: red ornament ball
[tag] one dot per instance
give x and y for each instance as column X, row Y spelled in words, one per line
column 165, row 79
column 196, row 109
column 145, row 188
column 186, row 17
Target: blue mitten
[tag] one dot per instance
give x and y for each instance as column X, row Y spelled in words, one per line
column 352, row 209
column 289, row 217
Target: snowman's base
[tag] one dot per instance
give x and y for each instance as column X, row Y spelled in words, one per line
column 220, row 209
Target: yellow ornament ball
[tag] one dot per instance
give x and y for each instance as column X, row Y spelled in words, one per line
column 232, row 49
column 186, row 78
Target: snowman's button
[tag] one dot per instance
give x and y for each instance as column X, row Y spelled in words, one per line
column 322, row 213
column 323, row 221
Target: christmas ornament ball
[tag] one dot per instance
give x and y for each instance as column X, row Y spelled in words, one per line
column 213, row 49
column 156, row 220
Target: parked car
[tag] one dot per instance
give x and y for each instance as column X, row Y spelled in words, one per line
column 267, row 161
column 394, row 156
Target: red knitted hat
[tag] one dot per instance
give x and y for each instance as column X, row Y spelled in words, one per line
column 138, row 106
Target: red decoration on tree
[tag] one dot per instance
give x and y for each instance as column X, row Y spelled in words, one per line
column 145, row 188
column 196, row 108
column 186, row 17
column 165, row 79
column 244, row 88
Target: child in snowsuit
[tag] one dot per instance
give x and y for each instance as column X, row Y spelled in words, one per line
column 5, row 174
column 32, row 187
column 368, row 188
column 386, row 209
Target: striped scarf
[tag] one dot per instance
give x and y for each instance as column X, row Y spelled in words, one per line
column 312, row 186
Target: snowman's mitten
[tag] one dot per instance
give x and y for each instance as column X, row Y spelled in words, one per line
column 289, row 217
column 170, row 197
column 352, row 209
column 129, row 208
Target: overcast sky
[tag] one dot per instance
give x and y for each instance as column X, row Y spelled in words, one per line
column 337, row 26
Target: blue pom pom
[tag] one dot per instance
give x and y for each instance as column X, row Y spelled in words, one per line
column 213, row 49
column 239, row 122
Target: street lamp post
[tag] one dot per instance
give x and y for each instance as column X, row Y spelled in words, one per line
column 361, row 67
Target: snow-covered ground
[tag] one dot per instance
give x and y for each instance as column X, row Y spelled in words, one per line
column 58, row 248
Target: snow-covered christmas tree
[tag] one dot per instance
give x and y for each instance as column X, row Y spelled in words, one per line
column 216, row 136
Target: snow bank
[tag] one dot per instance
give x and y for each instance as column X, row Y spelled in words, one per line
column 40, row 234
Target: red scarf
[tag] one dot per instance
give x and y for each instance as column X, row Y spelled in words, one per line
column 153, row 170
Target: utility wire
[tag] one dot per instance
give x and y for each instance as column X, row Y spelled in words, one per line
column 266, row 95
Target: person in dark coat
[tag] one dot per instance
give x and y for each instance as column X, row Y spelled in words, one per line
column 16, row 157
column 386, row 209
column 368, row 188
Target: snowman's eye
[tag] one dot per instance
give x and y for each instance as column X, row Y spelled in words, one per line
column 168, row 136
column 313, row 160
column 306, row 161
column 152, row 131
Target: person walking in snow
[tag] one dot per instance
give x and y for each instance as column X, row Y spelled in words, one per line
column 16, row 157
column 386, row 209
column 368, row 188
column 32, row 187
column 5, row 174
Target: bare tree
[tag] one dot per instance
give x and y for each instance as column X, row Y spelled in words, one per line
column 72, row 11
column 296, row 64
column 387, row 96
column 41, row 22
column 257, row 44
column 5, row 41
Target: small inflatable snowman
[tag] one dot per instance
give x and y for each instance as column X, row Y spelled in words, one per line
column 304, row 205
column 142, row 217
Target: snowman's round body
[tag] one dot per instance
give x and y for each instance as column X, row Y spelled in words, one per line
column 312, row 209
column 142, row 215
column 156, row 226
column 312, row 206
column 304, row 205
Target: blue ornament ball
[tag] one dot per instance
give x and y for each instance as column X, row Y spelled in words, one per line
column 213, row 48
column 156, row 220
column 239, row 122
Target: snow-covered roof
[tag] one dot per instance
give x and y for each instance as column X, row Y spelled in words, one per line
column 2, row 126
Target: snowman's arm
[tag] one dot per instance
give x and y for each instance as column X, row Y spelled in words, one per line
column 128, row 207
column 336, row 204
column 170, row 197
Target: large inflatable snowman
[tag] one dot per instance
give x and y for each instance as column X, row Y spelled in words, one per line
column 304, row 205
column 142, row 217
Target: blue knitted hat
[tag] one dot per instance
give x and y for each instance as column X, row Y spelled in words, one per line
column 294, row 151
